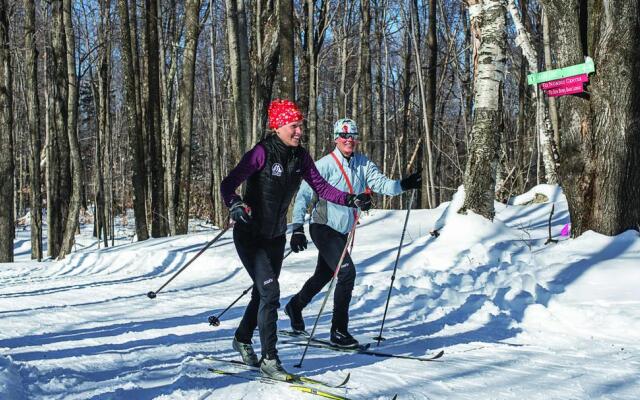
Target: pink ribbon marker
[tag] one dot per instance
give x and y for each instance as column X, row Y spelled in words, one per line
column 566, row 230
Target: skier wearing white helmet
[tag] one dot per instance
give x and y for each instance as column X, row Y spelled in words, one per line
column 352, row 172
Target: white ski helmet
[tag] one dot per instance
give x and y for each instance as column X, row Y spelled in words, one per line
column 345, row 125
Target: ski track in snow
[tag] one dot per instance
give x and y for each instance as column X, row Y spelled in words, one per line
column 517, row 319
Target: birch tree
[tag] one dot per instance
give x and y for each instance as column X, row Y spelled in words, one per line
column 543, row 123
column 480, row 173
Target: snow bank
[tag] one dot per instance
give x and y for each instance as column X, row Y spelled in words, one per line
column 10, row 382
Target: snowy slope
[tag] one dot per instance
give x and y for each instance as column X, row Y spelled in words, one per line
column 517, row 319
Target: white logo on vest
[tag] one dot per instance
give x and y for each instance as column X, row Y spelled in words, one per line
column 276, row 169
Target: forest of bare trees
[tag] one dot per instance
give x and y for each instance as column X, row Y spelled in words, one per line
column 146, row 104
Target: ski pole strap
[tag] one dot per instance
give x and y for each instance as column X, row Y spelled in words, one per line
column 346, row 178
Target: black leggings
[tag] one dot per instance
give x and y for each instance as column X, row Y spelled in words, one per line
column 262, row 258
column 330, row 244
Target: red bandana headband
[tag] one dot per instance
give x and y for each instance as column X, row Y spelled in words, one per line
column 283, row 112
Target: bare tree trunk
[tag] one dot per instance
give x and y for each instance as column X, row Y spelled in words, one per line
column 553, row 109
column 33, row 116
column 355, row 91
column 74, row 147
column 600, row 154
column 216, row 150
column 429, row 194
column 234, row 37
column 58, row 184
column 192, row 31
column 7, row 229
column 344, row 58
column 366, row 100
column 168, row 51
column 428, row 185
column 543, row 125
column 380, row 27
column 480, row 174
column 286, row 83
column 158, row 209
column 385, row 135
column 245, row 72
column 103, row 104
column 312, row 113
column 315, row 34
column 133, row 124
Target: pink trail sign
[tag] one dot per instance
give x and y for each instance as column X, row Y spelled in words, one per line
column 565, row 90
column 564, row 82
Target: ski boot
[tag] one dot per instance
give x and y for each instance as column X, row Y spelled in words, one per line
column 343, row 339
column 249, row 356
column 271, row 367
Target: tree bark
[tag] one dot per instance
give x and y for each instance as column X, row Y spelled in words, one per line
column 600, row 153
column 553, row 109
column 133, row 123
column 216, row 145
column 168, row 69
column 7, row 229
column 58, row 165
column 480, row 174
column 366, row 114
column 103, row 105
column 429, row 191
column 237, row 44
column 428, row 186
column 543, row 124
column 286, row 82
column 312, row 112
column 74, row 147
column 192, row 31
column 378, row 132
column 158, row 209
column 33, row 117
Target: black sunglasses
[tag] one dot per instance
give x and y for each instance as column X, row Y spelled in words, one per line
column 344, row 135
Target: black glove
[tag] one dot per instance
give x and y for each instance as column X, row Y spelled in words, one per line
column 361, row 201
column 298, row 240
column 240, row 212
column 413, row 181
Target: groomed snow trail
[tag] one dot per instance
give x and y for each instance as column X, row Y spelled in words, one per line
column 517, row 319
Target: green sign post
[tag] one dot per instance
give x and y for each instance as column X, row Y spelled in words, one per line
column 554, row 74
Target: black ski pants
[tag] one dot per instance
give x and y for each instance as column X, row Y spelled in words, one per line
column 262, row 258
column 330, row 244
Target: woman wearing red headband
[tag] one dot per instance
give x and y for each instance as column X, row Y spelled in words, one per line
column 273, row 169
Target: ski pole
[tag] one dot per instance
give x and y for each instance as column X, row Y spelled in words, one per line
column 333, row 278
column 395, row 266
column 215, row 320
column 152, row 294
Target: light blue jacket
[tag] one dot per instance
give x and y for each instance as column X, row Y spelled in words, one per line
column 362, row 173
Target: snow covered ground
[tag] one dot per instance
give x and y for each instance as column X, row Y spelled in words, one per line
column 517, row 319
